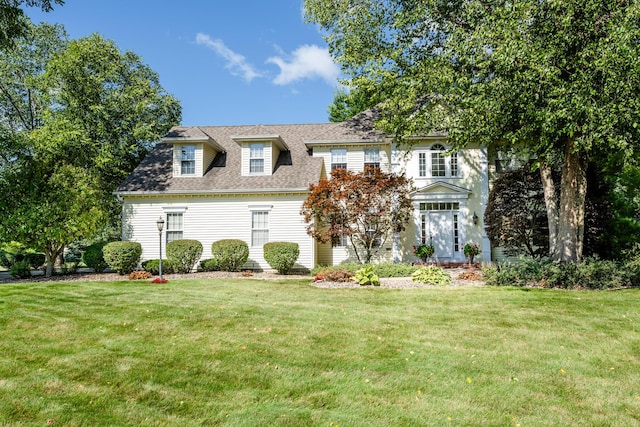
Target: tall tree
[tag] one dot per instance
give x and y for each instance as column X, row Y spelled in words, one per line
column 558, row 80
column 366, row 207
column 14, row 24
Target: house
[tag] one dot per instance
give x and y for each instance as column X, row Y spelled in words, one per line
column 249, row 182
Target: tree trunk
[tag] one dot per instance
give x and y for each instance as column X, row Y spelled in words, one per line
column 551, row 203
column 566, row 217
column 573, row 189
column 51, row 254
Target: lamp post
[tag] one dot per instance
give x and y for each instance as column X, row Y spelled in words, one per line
column 160, row 224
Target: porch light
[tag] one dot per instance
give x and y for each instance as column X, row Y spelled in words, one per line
column 475, row 219
column 160, row 224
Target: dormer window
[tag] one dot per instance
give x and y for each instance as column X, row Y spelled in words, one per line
column 256, row 157
column 338, row 158
column 188, row 160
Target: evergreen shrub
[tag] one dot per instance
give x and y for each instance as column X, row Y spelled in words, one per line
column 183, row 254
column 123, row 257
column 209, row 264
column 153, row 266
column 281, row 256
column 230, row 254
column 94, row 258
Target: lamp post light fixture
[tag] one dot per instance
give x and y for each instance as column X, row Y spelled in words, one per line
column 475, row 219
column 160, row 224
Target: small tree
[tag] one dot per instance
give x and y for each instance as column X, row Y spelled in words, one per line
column 367, row 207
column 516, row 218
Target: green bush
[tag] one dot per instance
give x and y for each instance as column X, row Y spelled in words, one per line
column 431, row 275
column 588, row 274
column 366, row 276
column 281, row 255
column 123, row 257
column 94, row 258
column 153, row 266
column 184, row 254
column 230, row 254
column 209, row 264
column 20, row 269
column 13, row 252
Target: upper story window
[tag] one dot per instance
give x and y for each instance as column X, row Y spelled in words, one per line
column 436, row 163
column 188, row 160
column 256, row 158
column 372, row 158
column 338, row 158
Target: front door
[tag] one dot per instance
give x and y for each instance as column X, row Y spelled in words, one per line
column 440, row 233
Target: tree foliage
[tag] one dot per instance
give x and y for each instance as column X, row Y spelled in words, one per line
column 364, row 206
column 13, row 22
column 515, row 217
column 558, row 80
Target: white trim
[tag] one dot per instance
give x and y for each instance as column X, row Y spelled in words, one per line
column 174, row 209
column 260, row 207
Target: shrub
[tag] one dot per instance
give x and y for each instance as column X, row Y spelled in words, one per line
column 431, row 275
column 139, row 275
column 184, row 254
column 209, row 264
column 588, row 274
column 366, row 277
column 230, row 254
column 153, row 266
column 20, row 269
column 94, row 258
column 281, row 255
column 335, row 275
column 123, row 257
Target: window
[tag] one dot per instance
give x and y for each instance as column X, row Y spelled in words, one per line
column 437, row 161
column 456, row 234
column 341, row 241
column 440, row 206
column 437, row 164
column 188, row 160
column 259, row 228
column 372, row 158
column 338, row 158
column 422, row 164
column 174, row 227
column 256, row 158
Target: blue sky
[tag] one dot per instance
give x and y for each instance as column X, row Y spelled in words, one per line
column 228, row 62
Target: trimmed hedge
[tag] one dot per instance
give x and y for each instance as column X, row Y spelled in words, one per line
column 123, row 257
column 94, row 258
column 153, row 266
column 209, row 264
column 281, row 256
column 183, row 254
column 230, row 254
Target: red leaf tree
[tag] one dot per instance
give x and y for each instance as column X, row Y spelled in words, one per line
column 367, row 207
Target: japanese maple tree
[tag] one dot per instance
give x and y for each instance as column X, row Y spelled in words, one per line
column 367, row 207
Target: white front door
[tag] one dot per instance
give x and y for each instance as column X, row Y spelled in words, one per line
column 440, row 233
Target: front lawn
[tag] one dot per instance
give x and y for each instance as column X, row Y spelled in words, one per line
column 246, row 352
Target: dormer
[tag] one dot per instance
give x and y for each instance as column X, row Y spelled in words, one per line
column 260, row 153
column 193, row 151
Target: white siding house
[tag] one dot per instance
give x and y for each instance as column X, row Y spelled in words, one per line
column 249, row 183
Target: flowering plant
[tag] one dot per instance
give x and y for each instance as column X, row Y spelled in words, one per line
column 471, row 249
column 159, row 280
column 423, row 251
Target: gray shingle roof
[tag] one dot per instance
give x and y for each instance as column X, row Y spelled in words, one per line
column 155, row 172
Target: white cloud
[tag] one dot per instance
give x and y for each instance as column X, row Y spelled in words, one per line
column 235, row 62
column 306, row 62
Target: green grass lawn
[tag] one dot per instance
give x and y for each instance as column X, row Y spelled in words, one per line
column 245, row 352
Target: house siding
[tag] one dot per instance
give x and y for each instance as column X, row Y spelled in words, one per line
column 209, row 219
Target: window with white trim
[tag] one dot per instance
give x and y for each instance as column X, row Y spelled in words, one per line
column 259, row 228
column 256, row 158
column 174, row 226
column 188, row 160
column 372, row 158
column 437, row 163
column 338, row 158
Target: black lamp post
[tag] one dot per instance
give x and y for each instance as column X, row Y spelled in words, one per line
column 160, row 224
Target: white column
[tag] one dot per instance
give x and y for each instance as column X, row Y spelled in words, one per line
column 484, row 170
